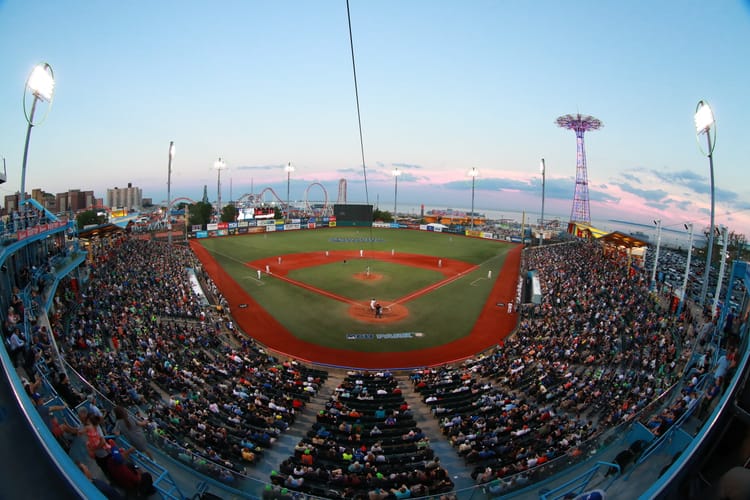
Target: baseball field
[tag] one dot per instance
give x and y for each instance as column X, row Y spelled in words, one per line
column 316, row 294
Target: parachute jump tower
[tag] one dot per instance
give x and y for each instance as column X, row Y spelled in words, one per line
column 580, row 124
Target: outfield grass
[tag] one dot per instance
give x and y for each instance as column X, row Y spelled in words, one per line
column 445, row 314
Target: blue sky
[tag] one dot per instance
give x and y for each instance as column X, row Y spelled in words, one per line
column 444, row 87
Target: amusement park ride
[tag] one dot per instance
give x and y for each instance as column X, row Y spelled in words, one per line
column 268, row 199
column 260, row 200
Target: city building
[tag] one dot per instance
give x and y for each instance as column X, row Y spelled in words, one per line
column 130, row 197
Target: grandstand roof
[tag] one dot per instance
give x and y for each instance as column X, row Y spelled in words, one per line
column 99, row 231
column 582, row 230
column 622, row 239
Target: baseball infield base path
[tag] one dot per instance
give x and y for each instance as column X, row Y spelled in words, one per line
column 492, row 325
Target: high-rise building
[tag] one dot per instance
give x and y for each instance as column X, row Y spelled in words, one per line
column 75, row 200
column 130, row 198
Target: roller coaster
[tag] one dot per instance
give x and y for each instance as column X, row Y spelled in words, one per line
column 251, row 200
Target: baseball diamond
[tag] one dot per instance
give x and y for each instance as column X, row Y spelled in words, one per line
column 318, row 287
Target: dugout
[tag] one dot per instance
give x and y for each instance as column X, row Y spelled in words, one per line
column 353, row 215
column 532, row 288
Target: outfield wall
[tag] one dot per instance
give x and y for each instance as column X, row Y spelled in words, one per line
column 217, row 230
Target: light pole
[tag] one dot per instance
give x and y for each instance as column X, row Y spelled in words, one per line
column 720, row 281
column 396, row 173
column 288, row 169
column 687, row 269
column 656, row 255
column 541, row 232
column 704, row 123
column 473, row 174
column 169, row 191
column 219, row 165
column 41, row 83
column 187, row 221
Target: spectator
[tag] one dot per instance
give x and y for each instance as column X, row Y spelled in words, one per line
column 131, row 430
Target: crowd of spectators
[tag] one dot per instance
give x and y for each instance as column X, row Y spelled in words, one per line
column 144, row 341
column 592, row 355
column 596, row 352
column 365, row 444
column 27, row 218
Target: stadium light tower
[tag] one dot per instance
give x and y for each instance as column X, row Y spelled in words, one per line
column 41, row 84
column 687, row 269
column 656, row 255
column 288, row 169
column 580, row 124
column 169, row 191
column 542, row 169
column 720, row 280
column 473, row 174
column 705, row 124
column 396, row 173
column 219, row 165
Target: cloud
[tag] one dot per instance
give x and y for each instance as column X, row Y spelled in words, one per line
column 657, row 205
column 554, row 188
column 652, row 195
column 694, row 182
column 409, row 177
column 602, row 196
column 407, row 165
column 259, row 167
column 490, row 184
column 684, row 205
column 350, row 170
column 630, row 177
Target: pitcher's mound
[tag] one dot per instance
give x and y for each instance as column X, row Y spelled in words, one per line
column 365, row 276
column 391, row 313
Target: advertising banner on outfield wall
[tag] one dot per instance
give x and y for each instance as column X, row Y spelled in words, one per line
column 385, row 225
column 292, row 227
column 201, row 234
column 242, row 223
column 242, row 230
column 270, row 228
column 212, row 227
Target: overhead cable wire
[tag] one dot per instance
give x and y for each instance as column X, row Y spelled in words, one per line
column 356, row 94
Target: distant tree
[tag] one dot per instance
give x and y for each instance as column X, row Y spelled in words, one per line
column 229, row 213
column 200, row 213
column 277, row 213
column 382, row 215
column 88, row 218
column 737, row 244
